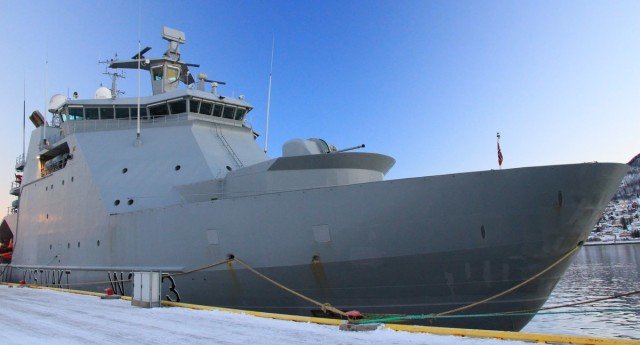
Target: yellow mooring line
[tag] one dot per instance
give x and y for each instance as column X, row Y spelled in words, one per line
column 461, row 332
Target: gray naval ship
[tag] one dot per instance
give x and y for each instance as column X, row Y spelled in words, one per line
column 176, row 180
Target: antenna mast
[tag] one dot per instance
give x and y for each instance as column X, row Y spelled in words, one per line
column 46, row 104
column 24, row 112
column 266, row 136
column 138, row 141
column 114, row 77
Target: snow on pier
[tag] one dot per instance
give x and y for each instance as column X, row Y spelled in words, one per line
column 37, row 316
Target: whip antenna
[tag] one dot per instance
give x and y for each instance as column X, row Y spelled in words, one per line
column 138, row 141
column 266, row 135
column 46, row 103
column 24, row 112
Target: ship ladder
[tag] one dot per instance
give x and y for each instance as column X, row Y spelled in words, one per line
column 225, row 143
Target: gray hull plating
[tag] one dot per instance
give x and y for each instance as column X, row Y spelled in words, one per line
column 412, row 246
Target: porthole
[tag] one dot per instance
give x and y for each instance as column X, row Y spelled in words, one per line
column 98, row 243
column 51, row 187
column 50, row 247
column 177, row 167
column 47, row 216
column 130, row 202
column 71, row 178
column 124, row 171
column 482, row 232
column 78, row 244
column 228, row 168
column 117, row 202
column 63, row 182
column 46, row 188
column 68, row 245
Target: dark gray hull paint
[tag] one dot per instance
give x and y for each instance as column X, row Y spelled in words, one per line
column 410, row 246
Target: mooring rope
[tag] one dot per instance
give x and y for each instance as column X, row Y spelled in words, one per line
column 328, row 307
column 225, row 261
column 112, row 281
column 509, row 314
column 469, row 306
column 323, row 306
column 535, row 276
column 595, row 300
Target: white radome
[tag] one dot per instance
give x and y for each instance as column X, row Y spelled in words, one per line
column 103, row 93
column 56, row 101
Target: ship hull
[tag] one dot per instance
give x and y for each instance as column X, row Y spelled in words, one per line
column 410, row 246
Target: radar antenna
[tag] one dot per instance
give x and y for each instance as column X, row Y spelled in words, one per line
column 175, row 39
column 115, row 75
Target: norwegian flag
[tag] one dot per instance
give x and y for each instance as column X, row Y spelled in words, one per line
column 500, row 158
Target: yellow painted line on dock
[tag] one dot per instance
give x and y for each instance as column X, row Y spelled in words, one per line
column 296, row 318
column 519, row 336
column 461, row 332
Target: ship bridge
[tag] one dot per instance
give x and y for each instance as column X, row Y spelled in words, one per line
column 166, row 73
column 196, row 102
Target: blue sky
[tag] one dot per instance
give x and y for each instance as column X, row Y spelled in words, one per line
column 427, row 82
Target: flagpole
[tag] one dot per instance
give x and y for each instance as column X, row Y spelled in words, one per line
column 500, row 157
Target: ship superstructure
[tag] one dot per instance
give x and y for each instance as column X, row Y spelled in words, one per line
column 176, row 180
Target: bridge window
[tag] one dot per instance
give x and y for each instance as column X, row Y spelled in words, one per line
column 122, row 113
column 178, row 107
column 217, row 110
column 205, row 108
column 106, row 113
column 240, row 113
column 156, row 72
column 194, row 105
column 173, row 73
column 91, row 113
column 229, row 112
column 75, row 113
column 158, row 110
column 143, row 112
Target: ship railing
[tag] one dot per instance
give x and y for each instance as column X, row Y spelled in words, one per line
column 20, row 161
column 71, row 127
column 15, row 185
column 12, row 210
column 51, row 168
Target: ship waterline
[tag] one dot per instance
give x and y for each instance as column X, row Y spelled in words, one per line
column 411, row 246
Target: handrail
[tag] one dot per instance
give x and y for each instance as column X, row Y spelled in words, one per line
column 71, row 127
column 20, row 159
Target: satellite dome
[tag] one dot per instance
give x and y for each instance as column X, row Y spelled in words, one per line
column 103, row 93
column 56, row 102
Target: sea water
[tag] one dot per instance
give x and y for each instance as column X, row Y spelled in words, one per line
column 596, row 271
